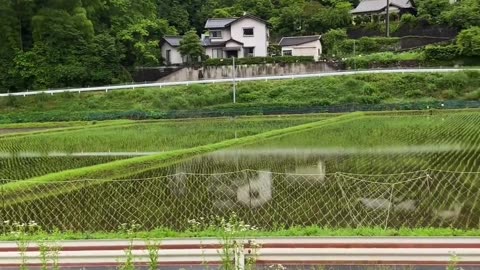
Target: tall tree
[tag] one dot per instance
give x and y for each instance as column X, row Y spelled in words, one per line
column 191, row 47
column 137, row 27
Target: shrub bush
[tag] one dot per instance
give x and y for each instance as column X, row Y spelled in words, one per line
column 274, row 50
column 473, row 95
column 12, row 101
column 369, row 99
column 367, row 45
column 468, row 41
column 331, row 39
column 408, row 19
column 416, row 93
column 385, row 59
column 369, row 90
column 259, row 60
column 441, row 53
column 449, row 94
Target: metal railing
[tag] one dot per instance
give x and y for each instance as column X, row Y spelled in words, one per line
column 230, row 80
column 281, row 253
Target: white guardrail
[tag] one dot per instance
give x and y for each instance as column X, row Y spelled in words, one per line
column 285, row 251
column 267, row 78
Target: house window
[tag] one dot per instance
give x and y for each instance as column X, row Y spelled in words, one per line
column 287, row 53
column 216, row 34
column 217, row 53
column 248, row 32
column 249, row 51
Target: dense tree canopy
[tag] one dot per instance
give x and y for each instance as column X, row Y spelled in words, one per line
column 61, row 43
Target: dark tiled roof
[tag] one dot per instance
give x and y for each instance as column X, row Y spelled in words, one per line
column 174, row 41
column 292, row 41
column 216, row 23
column 367, row 6
column 219, row 23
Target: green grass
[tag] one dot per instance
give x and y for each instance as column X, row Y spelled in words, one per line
column 309, row 231
column 298, row 93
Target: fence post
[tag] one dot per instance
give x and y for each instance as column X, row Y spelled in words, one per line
column 85, row 203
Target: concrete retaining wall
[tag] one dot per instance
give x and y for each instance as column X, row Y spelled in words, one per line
column 244, row 71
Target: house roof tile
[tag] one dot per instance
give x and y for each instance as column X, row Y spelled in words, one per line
column 219, row 23
column 173, row 41
column 293, row 41
column 367, row 6
column 216, row 23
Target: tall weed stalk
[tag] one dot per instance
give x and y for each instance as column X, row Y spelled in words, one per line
column 153, row 248
column 130, row 229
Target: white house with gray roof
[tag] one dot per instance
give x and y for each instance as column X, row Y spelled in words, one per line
column 246, row 36
column 302, row 46
column 170, row 52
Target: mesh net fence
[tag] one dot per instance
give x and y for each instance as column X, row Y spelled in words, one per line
column 261, row 198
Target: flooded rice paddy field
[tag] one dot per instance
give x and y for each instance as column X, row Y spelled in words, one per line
column 378, row 171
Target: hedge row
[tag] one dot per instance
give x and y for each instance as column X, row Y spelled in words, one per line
column 259, row 60
column 247, row 109
column 431, row 56
column 442, row 53
column 386, row 59
column 367, row 45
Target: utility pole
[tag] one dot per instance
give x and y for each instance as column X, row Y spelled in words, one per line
column 234, row 81
column 354, row 54
column 388, row 18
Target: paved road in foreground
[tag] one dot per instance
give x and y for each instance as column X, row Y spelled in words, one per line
column 426, row 253
column 267, row 78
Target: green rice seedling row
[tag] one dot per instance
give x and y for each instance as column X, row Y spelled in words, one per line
column 28, row 167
